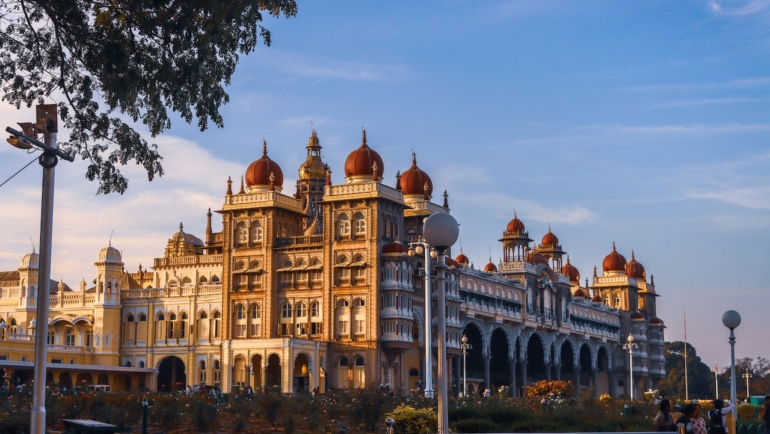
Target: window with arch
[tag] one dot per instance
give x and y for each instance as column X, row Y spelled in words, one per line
column 170, row 329
column 316, row 274
column 255, row 316
column 69, row 337
column 240, row 321
column 202, row 328
column 316, row 325
column 343, row 317
column 343, row 225
column 315, row 309
column 359, row 373
column 202, row 371
column 160, row 326
column 301, row 310
column 216, row 325
column 342, row 373
column 129, row 328
column 285, row 231
column 286, row 310
column 256, row 232
column 217, row 372
column 360, row 269
column 617, row 301
column 203, row 280
column 286, row 276
column 359, row 224
column 242, row 234
column 359, row 316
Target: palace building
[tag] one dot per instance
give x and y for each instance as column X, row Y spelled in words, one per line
column 315, row 288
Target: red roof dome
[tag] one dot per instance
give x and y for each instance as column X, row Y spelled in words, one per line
column 414, row 180
column 596, row 299
column 361, row 161
column 492, row 268
column 635, row 269
column 394, row 247
column 258, row 173
column 614, row 261
column 451, row 262
column 637, row 316
column 462, row 259
column 570, row 271
column 515, row 225
column 656, row 321
column 536, row 259
column 550, row 239
column 580, row 293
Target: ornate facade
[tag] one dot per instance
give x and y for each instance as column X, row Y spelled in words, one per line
column 315, row 289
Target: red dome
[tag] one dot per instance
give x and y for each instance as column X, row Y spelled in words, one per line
column 580, row 293
column 656, row 321
column 596, row 299
column 258, row 173
column 413, row 180
column 451, row 262
column 462, row 259
column 394, row 247
column 515, row 225
column 635, row 269
column 492, row 268
column 537, row 258
column 570, row 271
column 614, row 261
column 361, row 161
column 637, row 316
column 550, row 239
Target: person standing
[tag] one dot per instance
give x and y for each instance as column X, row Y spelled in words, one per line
column 765, row 414
column 686, row 419
column 663, row 420
column 698, row 424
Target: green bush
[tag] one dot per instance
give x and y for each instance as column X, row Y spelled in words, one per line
column 475, row 426
column 414, row 421
column 202, row 413
column 270, row 406
column 165, row 412
column 747, row 411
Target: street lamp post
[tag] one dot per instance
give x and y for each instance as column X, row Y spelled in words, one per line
column 732, row 319
column 716, row 381
column 419, row 247
column 441, row 231
column 747, row 375
column 46, row 122
column 465, row 346
column 630, row 347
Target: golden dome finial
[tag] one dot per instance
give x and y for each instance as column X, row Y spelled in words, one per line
column 264, row 148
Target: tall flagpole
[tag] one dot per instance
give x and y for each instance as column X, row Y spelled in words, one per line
column 686, row 386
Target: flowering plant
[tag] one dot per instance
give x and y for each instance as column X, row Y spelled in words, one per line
column 555, row 388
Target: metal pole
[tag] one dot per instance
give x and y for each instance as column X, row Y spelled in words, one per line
column 465, row 367
column 48, row 161
column 686, row 382
column 747, row 375
column 144, row 415
column 443, row 399
column 631, row 368
column 732, row 373
column 716, row 381
column 428, row 327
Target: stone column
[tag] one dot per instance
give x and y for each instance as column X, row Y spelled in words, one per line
column 577, row 379
column 523, row 366
column 512, row 364
column 595, row 378
column 558, row 371
column 613, row 388
column 548, row 371
column 486, row 372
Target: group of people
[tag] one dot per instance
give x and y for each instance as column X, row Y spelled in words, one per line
column 692, row 422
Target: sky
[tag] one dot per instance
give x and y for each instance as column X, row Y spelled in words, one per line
column 643, row 123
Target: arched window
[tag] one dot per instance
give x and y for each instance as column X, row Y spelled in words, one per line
column 214, row 279
column 216, row 325
column 203, row 280
column 202, row 371
column 359, row 316
column 314, row 309
column 301, row 310
column 359, row 373
column 360, row 224
column 256, row 320
column 342, row 373
column 286, row 311
column 343, row 317
column 183, row 325
column 240, row 321
column 285, row 232
column 256, row 232
column 171, row 321
column 344, row 362
column 343, row 225
column 242, row 234
column 69, row 337
column 130, row 329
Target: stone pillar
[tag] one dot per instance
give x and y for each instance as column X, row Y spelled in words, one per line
column 457, row 363
column 594, row 379
column 264, row 374
column 613, row 387
column 487, row 384
column 577, row 379
column 512, row 364
column 523, row 366
column 548, row 371
column 558, row 371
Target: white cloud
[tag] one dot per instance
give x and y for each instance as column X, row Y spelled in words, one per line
column 323, row 68
column 704, row 101
column 739, row 7
column 684, row 129
column 737, row 83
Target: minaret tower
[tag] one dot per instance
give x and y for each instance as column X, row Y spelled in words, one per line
column 312, row 178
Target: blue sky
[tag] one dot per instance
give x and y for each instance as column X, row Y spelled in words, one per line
column 646, row 123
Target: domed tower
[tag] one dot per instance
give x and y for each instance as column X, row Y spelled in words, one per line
column 28, row 275
column 312, row 178
column 415, row 183
column 363, row 164
column 515, row 241
column 183, row 244
column 109, row 274
column 571, row 272
column 614, row 263
column 264, row 174
column 551, row 249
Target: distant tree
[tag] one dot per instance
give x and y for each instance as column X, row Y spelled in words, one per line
column 700, row 378
column 135, row 58
column 760, row 376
